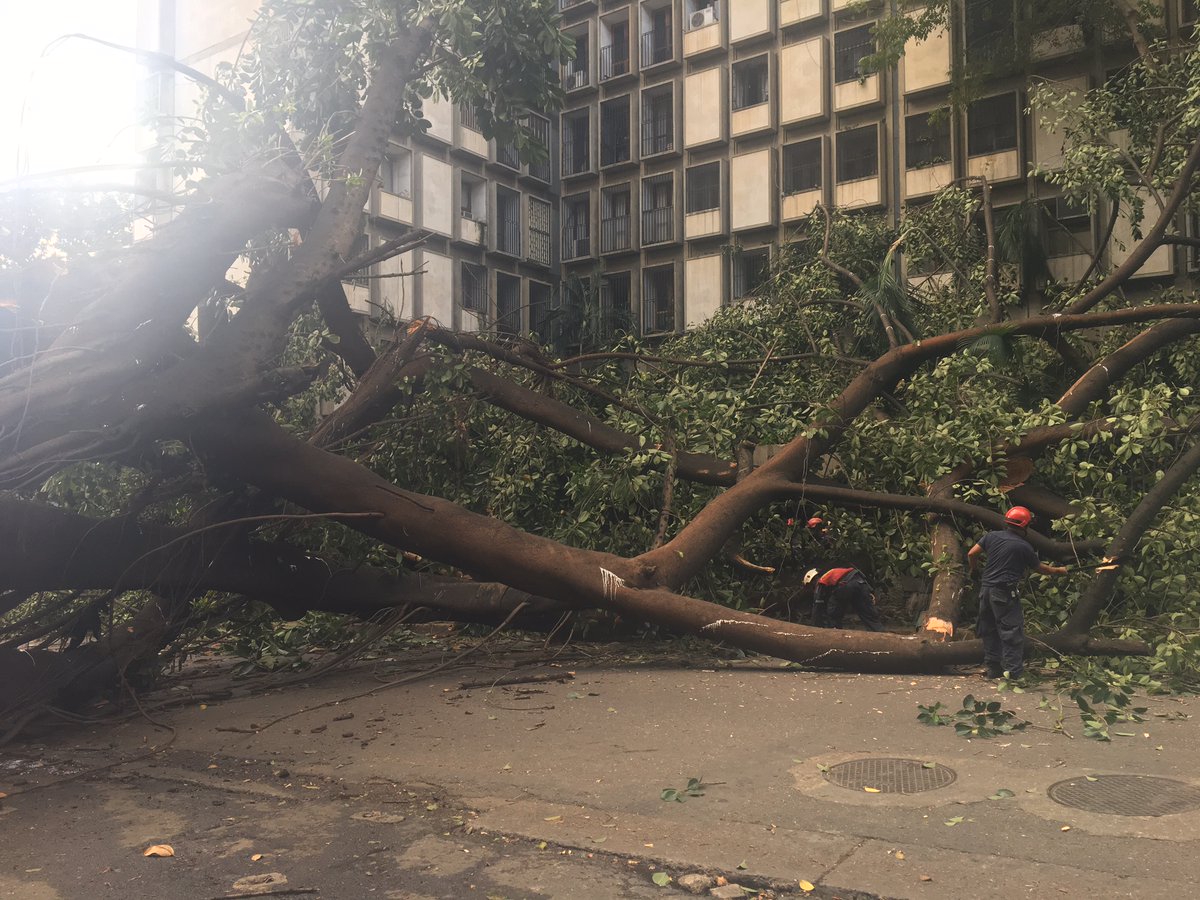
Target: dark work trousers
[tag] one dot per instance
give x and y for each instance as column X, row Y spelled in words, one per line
column 1002, row 630
column 853, row 591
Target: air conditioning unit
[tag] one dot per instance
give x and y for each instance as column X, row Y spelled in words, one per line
column 581, row 248
column 704, row 17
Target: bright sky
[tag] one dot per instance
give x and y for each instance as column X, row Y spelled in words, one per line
column 74, row 104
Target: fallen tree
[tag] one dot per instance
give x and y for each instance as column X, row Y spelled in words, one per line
column 154, row 462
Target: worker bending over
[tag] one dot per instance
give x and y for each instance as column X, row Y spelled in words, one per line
column 837, row 589
column 1009, row 557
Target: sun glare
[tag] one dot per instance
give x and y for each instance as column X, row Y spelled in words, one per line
column 67, row 103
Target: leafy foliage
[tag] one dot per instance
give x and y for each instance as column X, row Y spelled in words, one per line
column 976, row 718
column 695, row 788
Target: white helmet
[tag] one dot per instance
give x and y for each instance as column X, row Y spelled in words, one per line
column 810, row 575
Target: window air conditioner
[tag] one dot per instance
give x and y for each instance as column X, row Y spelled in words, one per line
column 703, row 17
column 581, row 248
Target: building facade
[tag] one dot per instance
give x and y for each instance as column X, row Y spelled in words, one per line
column 696, row 138
column 699, row 134
column 491, row 259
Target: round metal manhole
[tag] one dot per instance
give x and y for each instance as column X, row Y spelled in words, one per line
column 890, row 776
column 1126, row 795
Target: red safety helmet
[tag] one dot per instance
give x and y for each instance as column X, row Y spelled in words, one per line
column 815, row 522
column 1018, row 516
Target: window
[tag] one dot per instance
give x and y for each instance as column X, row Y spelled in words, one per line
column 658, row 299
column 474, row 293
column 750, row 80
column 614, row 303
column 858, row 153
column 658, row 120
column 468, row 117
column 802, row 166
column 395, row 173
column 577, row 71
column 703, row 188
column 576, row 140
column 541, row 305
column 508, row 221
column 1070, row 231
column 508, row 303
column 577, row 218
column 989, row 28
column 656, row 40
column 658, row 209
column 992, row 125
column 507, row 155
column 539, row 231
column 849, row 47
column 616, row 226
column 471, row 199
column 539, row 129
column 1189, row 12
column 614, row 49
column 751, row 269
column 614, row 131
column 927, row 139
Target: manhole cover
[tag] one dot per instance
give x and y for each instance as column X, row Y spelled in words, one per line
column 1126, row 795
column 890, row 776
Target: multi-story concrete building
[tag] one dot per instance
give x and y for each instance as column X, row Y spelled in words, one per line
column 698, row 134
column 696, row 137
column 490, row 262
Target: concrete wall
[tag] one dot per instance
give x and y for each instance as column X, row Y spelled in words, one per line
column 752, row 190
column 804, row 81
column 1123, row 242
column 436, row 286
column 749, row 18
column 1048, row 139
column 703, row 287
column 436, row 194
column 927, row 62
column 704, row 107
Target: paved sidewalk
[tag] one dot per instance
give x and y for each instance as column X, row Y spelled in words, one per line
column 581, row 765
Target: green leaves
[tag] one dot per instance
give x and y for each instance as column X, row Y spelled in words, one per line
column 976, row 718
column 695, row 788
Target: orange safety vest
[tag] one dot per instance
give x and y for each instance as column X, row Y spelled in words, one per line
column 834, row 576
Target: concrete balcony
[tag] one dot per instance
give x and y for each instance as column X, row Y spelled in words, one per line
column 751, row 119
column 472, row 141
column 853, row 94
column 359, row 298
column 862, row 192
column 1068, row 269
column 931, row 281
column 472, row 231
column 1002, row 166
column 801, row 204
column 793, row 12
column 702, row 224
column 928, row 179
column 1056, row 42
column 704, row 32
column 396, row 207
